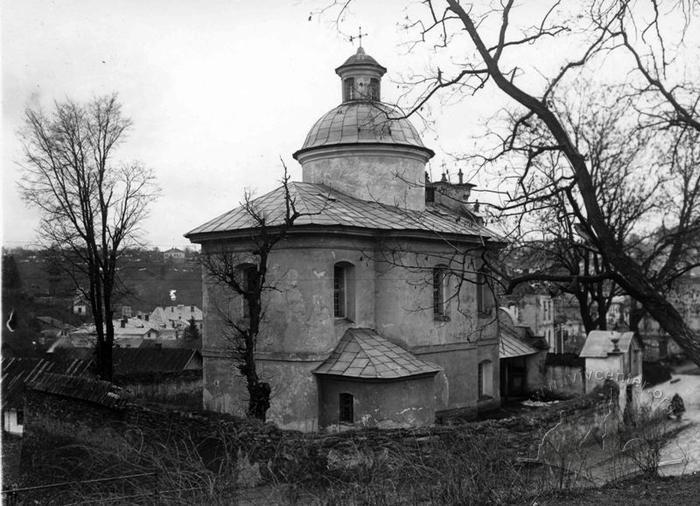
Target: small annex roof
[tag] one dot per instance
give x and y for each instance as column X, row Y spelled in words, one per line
column 599, row 343
column 511, row 347
column 364, row 354
column 324, row 206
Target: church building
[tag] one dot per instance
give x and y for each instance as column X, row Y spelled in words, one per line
column 380, row 313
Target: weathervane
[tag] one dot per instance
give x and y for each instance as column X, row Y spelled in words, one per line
column 358, row 36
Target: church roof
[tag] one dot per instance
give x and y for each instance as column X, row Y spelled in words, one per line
column 364, row 354
column 360, row 58
column 324, row 206
column 363, row 122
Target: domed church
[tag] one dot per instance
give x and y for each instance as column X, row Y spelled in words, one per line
column 379, row 315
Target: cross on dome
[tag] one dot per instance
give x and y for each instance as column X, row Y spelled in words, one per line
column 359, row 36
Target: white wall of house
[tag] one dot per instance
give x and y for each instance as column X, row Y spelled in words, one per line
column 10, row 422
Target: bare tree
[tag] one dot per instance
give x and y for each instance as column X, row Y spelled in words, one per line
column 245, row 273
column 90, row 206
column 650, row 203
column 491, row 41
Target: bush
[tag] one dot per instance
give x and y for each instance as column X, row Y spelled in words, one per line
column 655, row 373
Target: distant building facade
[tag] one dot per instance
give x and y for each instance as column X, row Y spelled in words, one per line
column 174, row 255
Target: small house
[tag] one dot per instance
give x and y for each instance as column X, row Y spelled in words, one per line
column 612, row 355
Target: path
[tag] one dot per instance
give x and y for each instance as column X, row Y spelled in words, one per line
column 683, row 452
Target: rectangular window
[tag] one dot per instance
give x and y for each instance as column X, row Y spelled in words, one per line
column 339, row 291
column 346, row 409
column 439, row 282
column 483, row 294
column 485, row 379
column 20, row 417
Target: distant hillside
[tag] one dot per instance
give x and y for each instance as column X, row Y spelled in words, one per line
column 33, row 285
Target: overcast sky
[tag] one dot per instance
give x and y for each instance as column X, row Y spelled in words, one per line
column 218, row 91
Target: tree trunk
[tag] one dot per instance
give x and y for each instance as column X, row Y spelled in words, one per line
column 632, row 278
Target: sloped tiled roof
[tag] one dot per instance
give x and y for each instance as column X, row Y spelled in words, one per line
column 16, row 372
column 598, row 343
column 86, row 389
column 511, row 346
column 145, row 360
column 327, row 207
column 364, row 354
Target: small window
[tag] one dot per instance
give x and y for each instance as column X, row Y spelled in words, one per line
column 374, row 89
column 346, row 412
column 485, row 379
column 484, row 301
column 349, row 89
column 248, row 283
column 439, row 292
column 339, row 291
column 343, row 291
column 430, row 194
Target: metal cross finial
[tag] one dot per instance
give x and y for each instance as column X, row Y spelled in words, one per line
column 358, row 36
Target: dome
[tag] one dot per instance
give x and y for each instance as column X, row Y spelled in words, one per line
column 361, row 58
column 363, row 122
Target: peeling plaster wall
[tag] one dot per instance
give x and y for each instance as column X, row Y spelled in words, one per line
column 299, row 330
column 405, row 296
column 406, row 403
column 376, row 174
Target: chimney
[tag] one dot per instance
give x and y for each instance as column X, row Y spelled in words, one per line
column 123, row 323
column 192, row 309
column 146, row 316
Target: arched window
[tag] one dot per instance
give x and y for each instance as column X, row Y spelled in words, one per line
column 346, row 412
column 344, row 290
column 440, row 292
column 349, row 89
column 485, row 379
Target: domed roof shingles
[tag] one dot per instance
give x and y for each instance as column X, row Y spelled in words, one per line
column 363, row 122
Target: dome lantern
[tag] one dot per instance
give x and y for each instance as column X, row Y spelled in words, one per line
column 361, row 77
column 366, row 148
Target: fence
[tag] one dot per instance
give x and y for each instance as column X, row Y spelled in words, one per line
column 50, row 494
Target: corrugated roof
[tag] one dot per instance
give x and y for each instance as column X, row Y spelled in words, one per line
column 599, row 343
column 361, row 122
column 145, row 360
column 86, row 389
column 510, row 347
column 328, row 207
column 364, row 354
column 17, row 372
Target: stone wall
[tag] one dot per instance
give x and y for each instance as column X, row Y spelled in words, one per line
column 408, row 402
column 182, row 388
column 55, row 422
